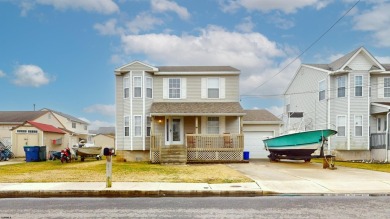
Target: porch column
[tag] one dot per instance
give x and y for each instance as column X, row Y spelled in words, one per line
column 196, row 125
column 151, row 125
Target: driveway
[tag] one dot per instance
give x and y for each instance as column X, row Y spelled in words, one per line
column 304, row 178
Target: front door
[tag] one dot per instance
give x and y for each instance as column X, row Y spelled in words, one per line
column 174, row 130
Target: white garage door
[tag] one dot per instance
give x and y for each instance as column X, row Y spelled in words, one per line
column 253, row 142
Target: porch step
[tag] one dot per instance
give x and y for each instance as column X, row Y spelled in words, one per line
column 175, row 154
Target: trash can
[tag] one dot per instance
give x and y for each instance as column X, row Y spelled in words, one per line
column 246, row 155
column 32, row 153
column 42, row 153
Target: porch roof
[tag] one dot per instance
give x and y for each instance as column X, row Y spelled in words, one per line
column 380, row 107
column 197, row 108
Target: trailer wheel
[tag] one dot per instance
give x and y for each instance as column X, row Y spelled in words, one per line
column 82, row 158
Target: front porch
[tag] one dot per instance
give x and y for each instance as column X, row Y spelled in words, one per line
column 200, row 148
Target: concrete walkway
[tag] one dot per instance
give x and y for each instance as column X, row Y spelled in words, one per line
column 280, row 178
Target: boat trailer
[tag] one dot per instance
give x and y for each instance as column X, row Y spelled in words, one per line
column 328, row 160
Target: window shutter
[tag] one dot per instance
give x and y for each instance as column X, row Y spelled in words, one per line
column 381, row 85
column 183, row 82
column 165, row 88
column 204, row 88
column 222, row 88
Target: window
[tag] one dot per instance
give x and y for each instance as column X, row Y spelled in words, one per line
column 85, row 127
column 379, row 124
column 341, row 125
column 322, row 87
column 73, row 125
column 174, row 88
column 386, row 87
column 126, row 87
column 149, row 87
column 137, row 84
column 127, row 126
column 358, row 86
column 213, row 125
column 137, row 126
column 213, row 87
column 21, row 131
column 148, row 125
column 341, row 86
column 358, row 125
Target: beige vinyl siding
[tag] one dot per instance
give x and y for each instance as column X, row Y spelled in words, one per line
column 119, row 102
column 193, row 88
column 361, row 62
column 137, row 67
column 232, row 124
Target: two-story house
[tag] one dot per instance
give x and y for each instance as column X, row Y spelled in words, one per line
column 350, row 95
column 195, row 109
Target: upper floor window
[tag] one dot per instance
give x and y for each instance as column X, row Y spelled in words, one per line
column 213, row 125
column 137, row 84
column 386, row 91
column 358, row 86
column 358, row 125
column 127, row 126
column 341, row 86
column 379, row 124
column 341, row 125
column 322, row 88
column 73, row 125
column 213, row 88
column 174, row 88
column 149, row 87
column 126, row 87
column 137, row 126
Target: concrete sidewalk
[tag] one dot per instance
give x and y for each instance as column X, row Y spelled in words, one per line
column 281, row 178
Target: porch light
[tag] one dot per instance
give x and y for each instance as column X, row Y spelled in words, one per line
column 159, row 121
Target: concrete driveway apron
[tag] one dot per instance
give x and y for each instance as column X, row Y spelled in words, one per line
column 297, row 177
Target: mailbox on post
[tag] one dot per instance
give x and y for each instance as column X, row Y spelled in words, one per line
column 108, row 152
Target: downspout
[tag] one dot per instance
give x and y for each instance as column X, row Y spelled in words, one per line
column 328, row 114
column 131, row 88
column 348, row 89
column 387, row 136
column 143, row 110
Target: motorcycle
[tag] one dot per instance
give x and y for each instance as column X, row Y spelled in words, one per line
column 66, row 155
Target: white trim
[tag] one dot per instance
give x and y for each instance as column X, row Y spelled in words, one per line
column 348, row 128
column 134, row 117
column 345, row 125
column 131, row 115
column 143, row 110
column 199, row 73
column 120, row 69
column 368, row 110
column 362, row 49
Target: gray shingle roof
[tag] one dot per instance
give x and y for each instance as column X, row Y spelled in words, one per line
column 197, row 108
column 19, row 117
column 260, row 115
column 72, row 118
column 197, row 69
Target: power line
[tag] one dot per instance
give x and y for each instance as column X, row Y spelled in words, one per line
column 309, row 47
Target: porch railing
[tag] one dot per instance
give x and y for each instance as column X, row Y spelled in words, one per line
column 378, row 141
column 225, row 142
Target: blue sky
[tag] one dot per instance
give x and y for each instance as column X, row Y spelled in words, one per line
column 61, row 54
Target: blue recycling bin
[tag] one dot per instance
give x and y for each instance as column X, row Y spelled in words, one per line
column 32, row 153
column 246, row 155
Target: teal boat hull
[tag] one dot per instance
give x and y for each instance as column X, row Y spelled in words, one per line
column 298, row 144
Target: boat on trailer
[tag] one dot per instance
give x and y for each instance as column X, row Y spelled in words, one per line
column 299, row 145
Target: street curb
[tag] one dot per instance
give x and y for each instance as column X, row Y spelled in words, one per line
column 127, row 193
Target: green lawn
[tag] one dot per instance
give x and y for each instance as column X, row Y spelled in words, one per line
column 95, row 171
column 384, row 167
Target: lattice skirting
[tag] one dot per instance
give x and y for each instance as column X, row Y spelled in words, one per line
column 214, row 155
column 155, row 157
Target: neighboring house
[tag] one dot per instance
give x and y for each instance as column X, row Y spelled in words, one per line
column 36, row 134
column 11, row 119
column 258, row 125
column 104, row 140
column 77, row 128
column 192, row 109
column 350, row 95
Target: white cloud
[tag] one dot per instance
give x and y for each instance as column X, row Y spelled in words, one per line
column 99, row 6
column 2, row 74
column 109, row 28
column 165, row 5
column 143, row 22
column 383, row 59
column 107, row 110
column 286, row 6
column 276, row 110
column 30, row 75
column 376, row 21
column 246, row 26
column 254, row 54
